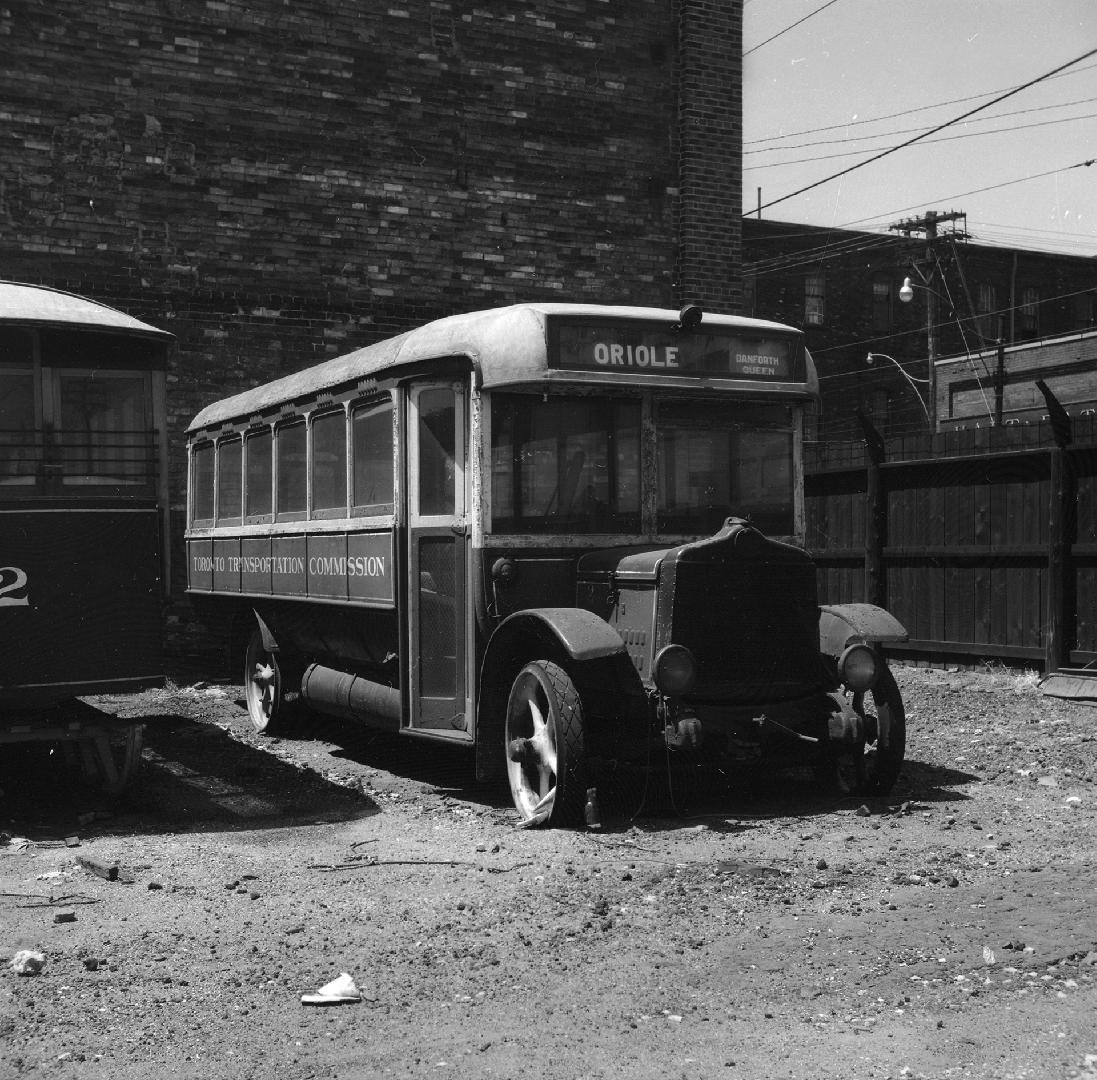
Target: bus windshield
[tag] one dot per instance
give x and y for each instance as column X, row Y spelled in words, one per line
column 572, row 464
column 568, row 464
column 717, row 460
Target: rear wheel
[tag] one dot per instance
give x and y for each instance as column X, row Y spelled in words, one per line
column 263, row 686
column 544, row 746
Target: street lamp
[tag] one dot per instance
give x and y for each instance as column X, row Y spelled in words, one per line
column 870, row 357
column 906, row 295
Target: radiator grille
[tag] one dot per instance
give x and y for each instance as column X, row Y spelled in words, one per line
column 751, row 620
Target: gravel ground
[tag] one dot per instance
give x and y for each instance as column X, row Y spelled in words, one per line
column 765, row 930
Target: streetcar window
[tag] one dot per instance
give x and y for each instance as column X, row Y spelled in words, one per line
column 569, row 464
column 229, row 479
column 202, row 482
column 292, row 474
column 103, row 432
column 329, row 461
column 371, row 427
column 715, row 461
column 258, row 494
column 19, row 452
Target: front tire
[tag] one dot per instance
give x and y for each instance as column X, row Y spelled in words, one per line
column 263, row 686
column 883, row 760
column 872, row 767
column 544, row 746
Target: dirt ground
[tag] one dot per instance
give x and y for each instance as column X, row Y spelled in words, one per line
column 764, row 930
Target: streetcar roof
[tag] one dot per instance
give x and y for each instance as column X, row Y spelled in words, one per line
column 42, row 306
column 506, row 345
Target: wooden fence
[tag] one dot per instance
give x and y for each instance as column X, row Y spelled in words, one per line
column 983, row 543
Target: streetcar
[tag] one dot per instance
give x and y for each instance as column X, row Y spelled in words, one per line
column 552, row 535
column 83, row 511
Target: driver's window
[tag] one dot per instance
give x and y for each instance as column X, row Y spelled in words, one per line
column 439, row 449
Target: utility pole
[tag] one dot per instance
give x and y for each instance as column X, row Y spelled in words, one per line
column 926, row 225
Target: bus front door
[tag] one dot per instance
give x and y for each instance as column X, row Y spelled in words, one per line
column 437, row 558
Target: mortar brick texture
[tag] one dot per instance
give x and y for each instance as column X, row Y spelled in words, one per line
column 278, row 184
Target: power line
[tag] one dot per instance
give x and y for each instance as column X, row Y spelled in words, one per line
column 905, row 131
column 795, row 260
column 930, row 142
column 921, row 330
column 904, row 112
column 755, row 48
column 974, row 191
column 940, row 127
column 826, row 241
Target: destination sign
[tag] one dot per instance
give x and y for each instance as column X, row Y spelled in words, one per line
column 654, row 349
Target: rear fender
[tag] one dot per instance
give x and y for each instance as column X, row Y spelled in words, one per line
column 269, row 641
column 842, row 625
column 572, row 637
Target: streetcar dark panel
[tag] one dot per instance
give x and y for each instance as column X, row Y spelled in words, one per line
column 80, row 606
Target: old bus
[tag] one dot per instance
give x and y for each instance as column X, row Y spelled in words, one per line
column 552, row 534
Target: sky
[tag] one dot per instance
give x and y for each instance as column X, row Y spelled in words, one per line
column 859, row 75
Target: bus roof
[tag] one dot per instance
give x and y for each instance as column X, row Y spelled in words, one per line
column 40, row 305
column 507, row 347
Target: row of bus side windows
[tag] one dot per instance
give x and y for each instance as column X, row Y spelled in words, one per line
column 266, row 473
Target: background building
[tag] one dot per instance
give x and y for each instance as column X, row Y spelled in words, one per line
column 279, row 183
column 843, row 289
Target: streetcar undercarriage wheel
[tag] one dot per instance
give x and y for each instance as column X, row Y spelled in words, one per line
column 544, row 746
column 263, row 685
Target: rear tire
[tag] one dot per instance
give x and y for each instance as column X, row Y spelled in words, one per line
column 263, row 686
column 544, row 746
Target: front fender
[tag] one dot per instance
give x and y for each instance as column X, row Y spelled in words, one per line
column 580, row 633
column 570, row 636
column 842, row 625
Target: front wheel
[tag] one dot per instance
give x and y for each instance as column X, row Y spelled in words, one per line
column 262, row 686
column 544, row 746
column 871, row 767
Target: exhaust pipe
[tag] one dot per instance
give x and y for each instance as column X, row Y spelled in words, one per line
column 351, row 697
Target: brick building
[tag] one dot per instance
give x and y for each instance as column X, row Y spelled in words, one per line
column 279, row 183
column 842, row 287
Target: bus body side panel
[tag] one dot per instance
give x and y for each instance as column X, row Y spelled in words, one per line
column 80, row 602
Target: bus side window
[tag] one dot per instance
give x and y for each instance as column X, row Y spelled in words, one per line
column 229, row 481
column 289, row 441
column 202, row 483
column 329, row 462
column 371, row 426
column 259, row 475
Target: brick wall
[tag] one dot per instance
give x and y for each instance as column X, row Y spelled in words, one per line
column 279, row 183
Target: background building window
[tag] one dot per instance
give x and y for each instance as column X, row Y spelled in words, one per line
column 881, row 304
column 1029, row 321
column 987, row 307
column 748, row 295
column 814, row 299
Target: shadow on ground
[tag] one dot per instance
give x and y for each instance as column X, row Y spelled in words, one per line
column 193, row 775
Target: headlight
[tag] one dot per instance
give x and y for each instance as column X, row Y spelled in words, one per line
column 674, row 670
column 857, row 667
